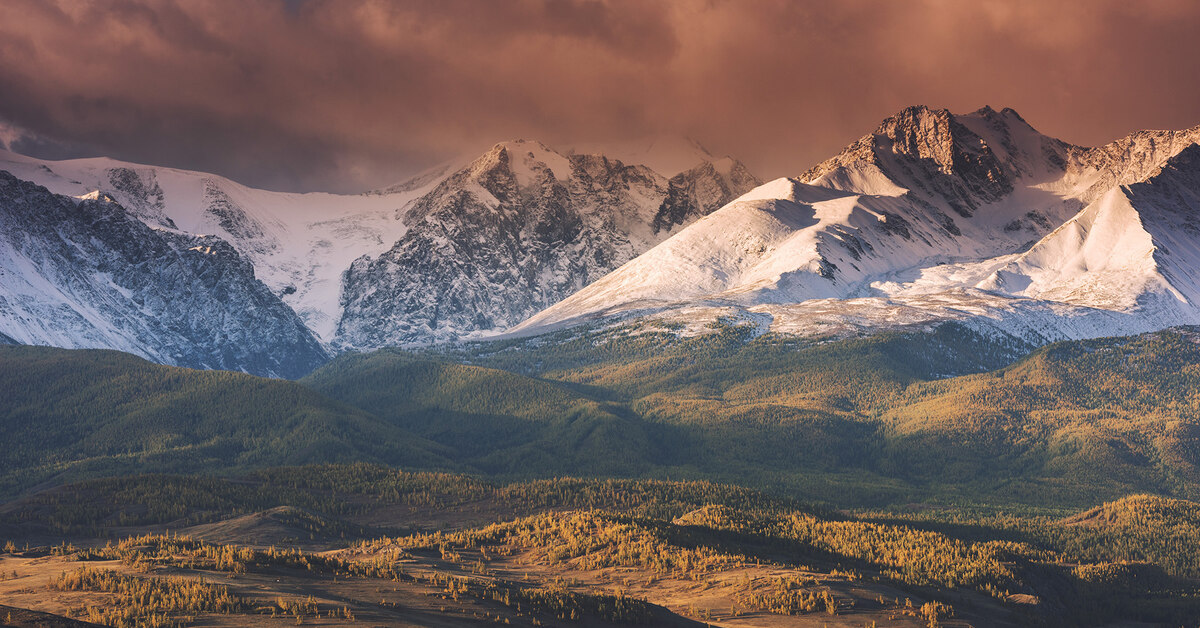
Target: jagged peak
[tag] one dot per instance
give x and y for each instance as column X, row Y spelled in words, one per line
column 1000, row 141
column 917, row 131
column 913, row 117
column 522, row 157
column 504, row 151
column 666, row 156
column 1143, row 137
column 1007, row 117
column 922, row 120
column 1009, row 111
column 728, row 169
column 1134, row 158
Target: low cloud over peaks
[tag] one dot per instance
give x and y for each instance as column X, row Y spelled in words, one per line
column 351, row 94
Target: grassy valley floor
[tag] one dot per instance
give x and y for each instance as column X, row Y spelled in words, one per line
column 281, row 547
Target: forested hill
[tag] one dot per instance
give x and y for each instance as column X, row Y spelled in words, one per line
column 863, row 422
column 81, row 413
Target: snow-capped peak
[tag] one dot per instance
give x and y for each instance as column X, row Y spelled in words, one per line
column 299, row 244
column 955, row 216
column 517, row 229
column 528, row 159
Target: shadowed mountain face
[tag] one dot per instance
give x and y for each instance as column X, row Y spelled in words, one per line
column 85, row 273
column 701, row 191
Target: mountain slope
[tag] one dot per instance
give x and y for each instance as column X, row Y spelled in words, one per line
column 518, row 229
column 348, row 266
column 84, row 273
column 1137, row 243
column 493, row 420
column 856, row 422
column 299, row 244
column 1102, row 412
column 86, row 413
column 911, row 224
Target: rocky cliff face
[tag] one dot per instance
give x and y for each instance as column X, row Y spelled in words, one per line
column 1131, row 159
column 137, row 189
column 703, row 190
column 515, row 231
column 87, row 273
column 932, row 154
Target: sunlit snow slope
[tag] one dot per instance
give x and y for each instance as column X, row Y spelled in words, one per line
column 936, row 217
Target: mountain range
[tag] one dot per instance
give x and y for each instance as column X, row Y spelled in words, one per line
column 977, row 218
column 934, row 217
column 455, row 252
column 875, row 336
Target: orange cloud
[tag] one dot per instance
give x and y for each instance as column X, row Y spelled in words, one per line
column 346, row 94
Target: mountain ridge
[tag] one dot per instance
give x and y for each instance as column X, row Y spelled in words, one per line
column 514, row 231
column 932, row 217
column 303, row 247
column 919, row 218
column 84, row 272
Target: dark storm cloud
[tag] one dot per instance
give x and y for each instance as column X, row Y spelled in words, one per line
column 345, row 94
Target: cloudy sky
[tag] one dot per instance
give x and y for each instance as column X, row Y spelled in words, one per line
column 349, row 94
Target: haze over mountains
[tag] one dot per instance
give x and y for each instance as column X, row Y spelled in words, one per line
column 932, row 217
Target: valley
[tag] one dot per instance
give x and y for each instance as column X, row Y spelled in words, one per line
column 949, row 377
column 872, row 487
column 588, row 313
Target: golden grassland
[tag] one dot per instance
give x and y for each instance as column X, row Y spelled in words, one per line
column 736, row 563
